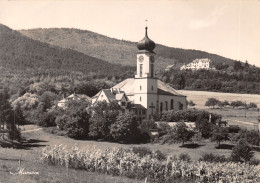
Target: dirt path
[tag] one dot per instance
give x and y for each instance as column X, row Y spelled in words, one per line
column 37, row 129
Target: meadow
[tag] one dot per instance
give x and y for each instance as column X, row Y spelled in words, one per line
column 37, row 138
column 246, row 119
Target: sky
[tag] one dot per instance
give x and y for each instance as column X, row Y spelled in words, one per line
column 229, row 28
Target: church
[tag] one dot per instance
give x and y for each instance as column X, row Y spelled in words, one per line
column 144, row 95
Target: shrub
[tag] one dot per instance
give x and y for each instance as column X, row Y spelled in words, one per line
column 233, row 129
column 159, row 155
column 99, row 128
column 142, row 151
column 254, row 161
column 209, row 157
column 197, row 137
column 242, row 152
column 252, row 105
column 146, row 126
column 237, row 104
column 204, row 127
column 233, row 137
column 191, row 115
column 47, row 119
column 125, row 129
column 251, row 136
column 180, row 133
column 185, row 157
column 219, row 134
column 163, row 129
column 75, row 121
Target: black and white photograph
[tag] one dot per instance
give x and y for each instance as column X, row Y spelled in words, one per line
column 129, row 91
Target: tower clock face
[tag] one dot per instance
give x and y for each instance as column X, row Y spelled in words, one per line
column 152, row 59
column 141, row 59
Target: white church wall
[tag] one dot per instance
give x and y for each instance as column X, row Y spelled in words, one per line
column 176, row 100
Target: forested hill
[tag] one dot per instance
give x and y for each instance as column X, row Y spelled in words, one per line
column 20, row 52
column 114, row 50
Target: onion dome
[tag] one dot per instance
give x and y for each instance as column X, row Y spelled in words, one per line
column 146, row 43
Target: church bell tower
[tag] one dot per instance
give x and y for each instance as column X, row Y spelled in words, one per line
column 145, row 81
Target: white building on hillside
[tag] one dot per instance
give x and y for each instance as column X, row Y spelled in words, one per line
column 197, row 64
column 146, row 93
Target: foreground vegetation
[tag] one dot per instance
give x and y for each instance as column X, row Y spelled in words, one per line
column 36, row 138
column 156, row 168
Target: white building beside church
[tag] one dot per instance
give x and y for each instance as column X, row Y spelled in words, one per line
column 62, row 103
column 147, row 95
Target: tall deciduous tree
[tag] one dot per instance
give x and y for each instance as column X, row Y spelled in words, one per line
column 211, row 102
column 6, row 112
column 75, row 120
column 219, row 134
column 104, row 115
column 179, row 133
column 18, row 115
column 182, row 133
column 125, row 129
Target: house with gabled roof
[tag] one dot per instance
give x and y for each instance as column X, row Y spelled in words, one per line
column 74, row 96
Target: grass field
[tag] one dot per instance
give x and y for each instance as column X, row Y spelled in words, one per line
column 247, row 119
column 37, row 139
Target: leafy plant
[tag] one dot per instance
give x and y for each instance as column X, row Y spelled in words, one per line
column 125, row 129
column 219, row 134
column 242, row 152
column 179, row 133
column 185, row 157
column 212, row 102
column 209, row 157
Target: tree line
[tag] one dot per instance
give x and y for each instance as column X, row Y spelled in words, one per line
column 230, row 80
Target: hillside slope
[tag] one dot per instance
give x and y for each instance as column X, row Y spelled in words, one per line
column 114, row 50
column 20, row 52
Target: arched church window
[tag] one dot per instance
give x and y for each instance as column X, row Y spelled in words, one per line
column 152, row 68
column 140, row 87
column 166, row 105
column 161, row 107
column 172, row 104
column 180, row 106
column 141, row 70
column 152, row 88
column 140, row 98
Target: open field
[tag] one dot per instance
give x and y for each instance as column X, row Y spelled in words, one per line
column 37, row 139
column 200, row 97
column 247, row 119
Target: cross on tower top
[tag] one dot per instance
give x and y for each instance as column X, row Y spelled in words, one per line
column 146, row 22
